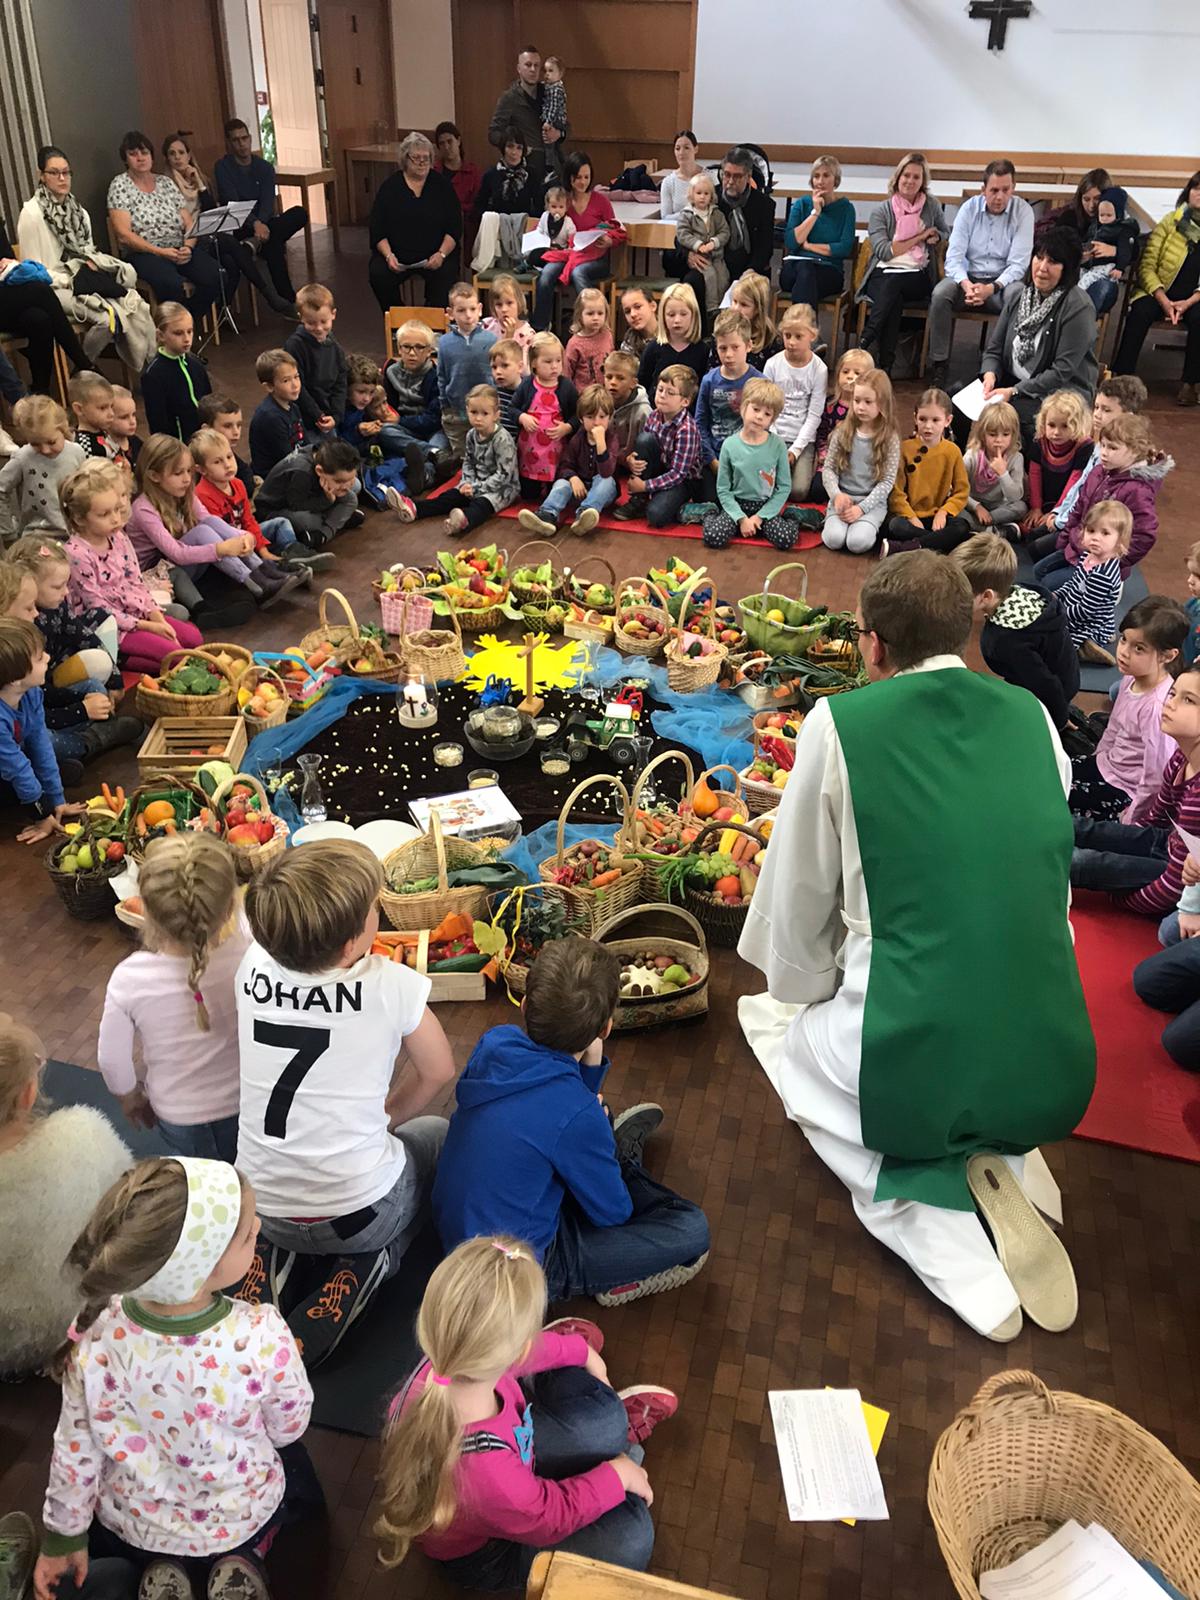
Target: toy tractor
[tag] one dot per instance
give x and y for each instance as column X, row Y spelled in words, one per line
column 615, row 732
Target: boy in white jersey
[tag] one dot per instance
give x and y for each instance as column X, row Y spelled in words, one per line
column 329, row 1130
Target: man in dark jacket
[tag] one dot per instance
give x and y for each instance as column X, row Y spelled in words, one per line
column 241, row 175
column 520, row 107
column 750, row 213
column 1024, row 638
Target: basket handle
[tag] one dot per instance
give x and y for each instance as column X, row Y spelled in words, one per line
column 532, row 544
column 604, row 562
column 1017, row 1380
column 323, row 611
column 223, row 790
column 439, row 845
column 704, row 611
column 723, row 766
column 598, row 777
column 172, row 656
column 655, row 597
column 664, row 755
column 787, row 566
column 623, row 917
column 261, row 670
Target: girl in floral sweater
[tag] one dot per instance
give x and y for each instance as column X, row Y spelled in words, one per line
column 178, row 1403
column 105, row 571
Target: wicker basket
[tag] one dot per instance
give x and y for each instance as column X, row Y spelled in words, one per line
column 575, row 587
column 434, row 653
column 251, row 677
column 1022, row 1459
column 86, row 894
column 250, row 859
column 237, row 653
column 734, row 797
column 394, row 604
column 779, row 638
column 761, row 729
column 649, row 1011
column 641, row 834
column 334, row 634
column 515, row 974
column 593, row 909
column 537, row 619
column 687, row 674
column 423, row 858
column 639, row 598
column 723, row 924
column 155, row 703
column 386, row 666
column 479, row 621
column 186, row 796
column 534, row 594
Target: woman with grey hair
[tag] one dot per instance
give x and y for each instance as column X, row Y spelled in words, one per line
column 415, row 227
column 905, row 231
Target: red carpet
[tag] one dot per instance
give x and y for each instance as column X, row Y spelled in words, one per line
column 805, row 540
column 1143, row 1101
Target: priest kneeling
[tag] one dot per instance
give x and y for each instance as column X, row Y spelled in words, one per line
column 924, row 1022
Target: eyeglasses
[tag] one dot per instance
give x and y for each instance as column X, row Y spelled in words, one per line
column 57, row 172
column 412, row 349
column 420, row 156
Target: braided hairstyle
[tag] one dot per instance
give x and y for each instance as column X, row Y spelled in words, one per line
column 187, row 884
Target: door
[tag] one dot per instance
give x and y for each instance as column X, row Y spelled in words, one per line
column 180, row 58
column 293, row 95
column 485, row 63
column 356, row 59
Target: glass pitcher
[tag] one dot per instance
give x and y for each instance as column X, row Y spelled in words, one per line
column 312, row 797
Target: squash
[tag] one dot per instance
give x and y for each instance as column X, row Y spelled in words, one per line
column 704, row 801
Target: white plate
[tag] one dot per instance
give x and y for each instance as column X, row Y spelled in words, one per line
column 385, row 835
column 313, row 831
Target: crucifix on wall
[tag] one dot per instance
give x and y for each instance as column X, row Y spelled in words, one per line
column 998, row 14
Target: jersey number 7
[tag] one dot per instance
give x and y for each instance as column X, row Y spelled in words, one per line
column 307, row 1045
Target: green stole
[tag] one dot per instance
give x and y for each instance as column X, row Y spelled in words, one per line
column 975, row 1033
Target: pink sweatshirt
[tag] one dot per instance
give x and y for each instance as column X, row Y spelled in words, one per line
column 1133, row 750
column 111, row 579
column 500, row 1495
column 190, row 1076
column 152, row 541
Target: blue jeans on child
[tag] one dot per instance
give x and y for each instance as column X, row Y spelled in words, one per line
column 587, row 276
column 69, row 743
column 210, row 1141
column 665, row 504
column 578, row 1422
column 1117, row 857
column 664, row 1231
column 1053, row 571
column 279, row 533
column 1169, row 980
column 603, row 492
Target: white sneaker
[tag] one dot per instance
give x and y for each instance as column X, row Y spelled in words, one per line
column 586, row 520
column 456, row 522
column 532, row 523
column 396, row 501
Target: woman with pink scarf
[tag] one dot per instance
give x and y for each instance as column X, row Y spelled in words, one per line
column 905, row 231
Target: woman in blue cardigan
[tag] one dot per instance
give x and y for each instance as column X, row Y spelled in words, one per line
column 817, row 238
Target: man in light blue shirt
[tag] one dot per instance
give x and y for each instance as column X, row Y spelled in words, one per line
column 986, row 260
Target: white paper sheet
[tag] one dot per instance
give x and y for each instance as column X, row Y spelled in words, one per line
column 1073, row 1564
column 536, row 241
column 825, row 1455
column 971, row 400
column 587, row 237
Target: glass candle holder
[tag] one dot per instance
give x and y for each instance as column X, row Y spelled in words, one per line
column 417, row 702
column 447, row 754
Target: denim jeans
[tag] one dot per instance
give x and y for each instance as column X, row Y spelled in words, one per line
column 210, row 1141
column 1117, row 856
column 70, row 743
column 398, row 1216
column 1053, row 571
column 279, row 533
column 578, row 1422
column 1169, row 980
column 603, row 492
column 664, row 1231
column 665, row 504
column 1103, row 294
column 587, row 276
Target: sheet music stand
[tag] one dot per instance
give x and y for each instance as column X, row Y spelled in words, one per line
column 221, row 220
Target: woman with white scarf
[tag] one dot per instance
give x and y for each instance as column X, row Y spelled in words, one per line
column 904, row 231
column 95, row 289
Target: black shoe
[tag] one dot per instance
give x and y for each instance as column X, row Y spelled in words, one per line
column 280, row 306
column 320, row 1322
column 70, row 771
column 216, row 619
column 632, row 1127
column 300, row 555
column 371, row 499
column 443, row 464
column 277, row 584
column 633, row 509
column 355, row 519
column 111, row 734
column 414, row 469
column 937, row 373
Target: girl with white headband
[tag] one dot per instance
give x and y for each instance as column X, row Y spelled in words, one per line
column 176, row 1399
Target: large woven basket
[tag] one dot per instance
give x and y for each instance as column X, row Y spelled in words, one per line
column 240, row 658
column 723, row 924
column 668, row 930
column 436, row 654
column 779, row 638
column 250, row 859
column 1022, row 1459
column 429, row 856
column 688, row 674
column 155, row 703
column 593, row 909
column 383, row 666
column 253, row 675
column 575, row 587
column 639, row 599
column 535, row 594
column 190, row 803
column 641, row 835
column 472, row 620
column 86, row 894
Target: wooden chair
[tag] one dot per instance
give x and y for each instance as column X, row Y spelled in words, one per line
column 840, row 305
column 394, row 318
column 911, row 313
column 654, row 289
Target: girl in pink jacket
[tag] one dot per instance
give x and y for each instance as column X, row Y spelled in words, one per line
column 508, row 1438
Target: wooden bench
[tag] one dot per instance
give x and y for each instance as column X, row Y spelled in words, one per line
column 555, row 1575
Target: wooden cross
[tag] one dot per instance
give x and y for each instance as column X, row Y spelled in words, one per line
column 998, row 14
column 532, row 703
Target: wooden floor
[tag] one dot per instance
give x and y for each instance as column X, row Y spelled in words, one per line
column 795, row 1294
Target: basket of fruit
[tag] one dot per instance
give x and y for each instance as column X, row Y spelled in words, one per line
column 366, row 658
column 718, row 879
column 401, row 592
column 535, row 582
column 664, row 965
column 247, row 823
column 235, row 658
column 694, row 653
column 529, row 917
column 658, row 830
column 643, row 619
column 685, row 587
column 776, row 622
column 190, row 683
column 474, row 585
column 162, row 806
column 707, row 803
column 417, row 892
column 597, row 594
column 81, row 865
column 545, row 616
column 262, row 698
column 765, row 779
column 433, row 652
column 334, row 635
column 730, row 632
column 304, row 677
column 593, row 879
column 783, row 725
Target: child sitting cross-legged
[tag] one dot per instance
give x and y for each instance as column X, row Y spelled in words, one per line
column 178, row 1442
column 508, row 1438
column 754, row 475
column 1122, row 775
column 1090, row 595
column 330, row 1131
column 315, row 490
column 29, row 480
column 665, row 469
column 587, row 467
column 860, row 468
column 489, row 474
column 29, row 773
column 630, row 405
column 996, row 472
column 175, row 1000
column 591, row 339
column 1024, row 637
column 851, row 366
column 930, row 493
column 220, row 490
column 411, row 383
column 530, row 1150
column 372, row 426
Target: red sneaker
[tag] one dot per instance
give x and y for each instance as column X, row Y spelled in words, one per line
column 646, row 1405
column 588, row 1331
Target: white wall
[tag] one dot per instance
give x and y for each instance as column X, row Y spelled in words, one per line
column 423, row 59
column 1076, row 76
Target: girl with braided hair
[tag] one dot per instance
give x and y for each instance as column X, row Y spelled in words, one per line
column 177, row 1448
column 176, row 998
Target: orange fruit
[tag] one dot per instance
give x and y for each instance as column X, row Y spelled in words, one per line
column 159, row 811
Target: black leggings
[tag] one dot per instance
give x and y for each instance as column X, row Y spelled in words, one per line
column 475, row 507
column 32, row 311
column 957, row 531
column 385, row 284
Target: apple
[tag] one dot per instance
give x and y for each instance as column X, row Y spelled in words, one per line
column 116, row 850
column 244, row 835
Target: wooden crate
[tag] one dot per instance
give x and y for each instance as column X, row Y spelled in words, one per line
column 171, row 744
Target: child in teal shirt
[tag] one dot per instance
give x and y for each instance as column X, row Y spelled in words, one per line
column 753, row 475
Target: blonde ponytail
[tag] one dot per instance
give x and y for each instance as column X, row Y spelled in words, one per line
column 187, row 884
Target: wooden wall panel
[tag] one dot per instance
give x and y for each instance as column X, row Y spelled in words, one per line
column 180, row 56
column 610, row 33
column 485, row 63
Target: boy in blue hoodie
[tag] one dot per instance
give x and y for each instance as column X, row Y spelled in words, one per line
column 531, row 1152
column 462, row 362
column 29, row 773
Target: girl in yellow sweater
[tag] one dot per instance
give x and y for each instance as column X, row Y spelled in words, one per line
column 930, row 493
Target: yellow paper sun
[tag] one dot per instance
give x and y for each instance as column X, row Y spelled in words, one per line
column 502, row 658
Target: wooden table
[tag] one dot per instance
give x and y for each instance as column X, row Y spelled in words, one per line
column 367, row 155
column 555, row 1575
column 313, row 178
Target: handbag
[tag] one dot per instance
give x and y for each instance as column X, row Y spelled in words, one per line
column 94, row 280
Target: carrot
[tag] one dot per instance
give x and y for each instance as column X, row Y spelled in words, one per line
column 142, row 827
column 601, row 878
column 109, row 798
